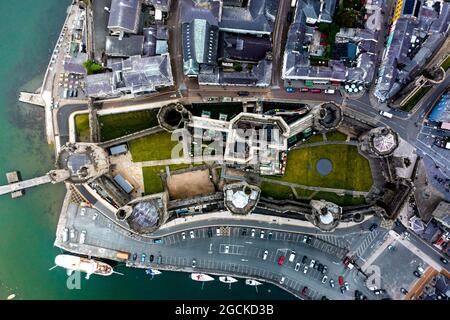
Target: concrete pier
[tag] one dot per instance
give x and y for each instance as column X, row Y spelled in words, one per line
column 14, row 177
column 32, row 98
column 17, row 187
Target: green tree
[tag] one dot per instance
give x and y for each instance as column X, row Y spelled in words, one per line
column 92, row 67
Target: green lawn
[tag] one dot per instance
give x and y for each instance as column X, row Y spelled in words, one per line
column 315, row 138
column 411, row 103
column 157, row 146
column 446, row 64
column 276, row 191
column 82, row 127
column 152, row 180
column 336, row 136
column 118, row 125
column 346, row 200
column 350, row 170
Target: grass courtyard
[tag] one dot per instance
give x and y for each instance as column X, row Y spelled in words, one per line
column 82, row 127
column 117, row 125
column 157, row 146
column 350, row 170
column 152, row 180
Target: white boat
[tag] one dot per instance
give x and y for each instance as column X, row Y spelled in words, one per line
column 253, row 283
column 88, row 266
column 11, row 296
column 152, row 272
column 228, row 279
column 202, row 277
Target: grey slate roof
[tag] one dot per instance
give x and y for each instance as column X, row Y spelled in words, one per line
column 258, row 17
column 244, row 47
column 75, row 64
column 125, row 47
column 124, row 15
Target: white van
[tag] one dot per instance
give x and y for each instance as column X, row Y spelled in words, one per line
column 292, row 256
column 386, row 114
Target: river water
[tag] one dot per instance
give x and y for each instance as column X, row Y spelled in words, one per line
column 27, row 225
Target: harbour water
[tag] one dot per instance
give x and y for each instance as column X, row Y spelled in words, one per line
column 27, row 225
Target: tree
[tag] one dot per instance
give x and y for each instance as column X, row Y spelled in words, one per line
column 92, row 67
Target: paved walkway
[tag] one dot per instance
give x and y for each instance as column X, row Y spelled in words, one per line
column 301, row 186
column 325, row 143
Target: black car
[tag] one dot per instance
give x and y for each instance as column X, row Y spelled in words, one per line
column 403, row 290
column 358, row 295
column 320, row 267
column 135, row 257
column 443, row 260
column 316, row 265
column 269, row 236
column 324, row 269
column 243, row 93
column 373, row 227
column 324, row 298
column 417, row 274
column 309, row 240
column 304, row 259
column 151, row 258
column 210, row 232
column 379, row 291
column 342, row 289
column 244, row 232
column 290, row 16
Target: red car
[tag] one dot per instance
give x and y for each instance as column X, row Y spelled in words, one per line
column 341, row 280
column 316, row 90
column 281, row 260
column 305, row 89
column 305, row 291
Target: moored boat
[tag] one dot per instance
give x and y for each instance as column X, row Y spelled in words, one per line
column 251, row 282
column 202, row 277
column 226, row 279
column 88, row 266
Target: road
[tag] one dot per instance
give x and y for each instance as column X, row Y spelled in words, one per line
column 279, row 41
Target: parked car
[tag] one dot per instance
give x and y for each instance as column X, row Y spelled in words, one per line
column 443, row 260
column 324, row 279
column 151, row 258
column 305, row 238
column 312, row 263
column 82, row 211
column 266, row 253
column 192, row 235
column 194, row 263
column 305, row 290
column 243, row 93
column 320, row 267
column 143, row 256
column 292, row 256
column 341, row 280
column 379, row 291
column 305, row 90
column 297, row 266
column 404, row 291
column 417, row 273
column 282, row 280
column 347, row 287
column 316, row 91
column 358, row 295
column 391, row 247
column 157, row 241
column 342, row 288
column 94, row 217
column 332, row 283
column 262, row 234
column 72, row 233
column 290, row 89
column 373, row 227
column 244, row 232
column 218, row 232
column 159, row 260
column 269, row 236
column 183, row 235
column 253, row 232
column 227, row 249
column 304, row 259
column 324, row 270
column 135, row 257
column 210, row 232
column 309, row 240
column 420, row 269
column 66, row 235
column 82, row 236
column 305, row 269
column 281, row 260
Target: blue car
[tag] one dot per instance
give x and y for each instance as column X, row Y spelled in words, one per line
column 134, row 257
column 143, row 258
column 290, row 89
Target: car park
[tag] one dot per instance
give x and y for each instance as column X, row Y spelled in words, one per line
column 143, row 256
column 281, row 260
column 183, row 235
column 297, row 266
column 324, row 279
column 266, row 253
column 312, row 263
column 192, row 235
column 332, row 283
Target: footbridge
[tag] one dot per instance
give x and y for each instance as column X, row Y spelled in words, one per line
column 22, row 185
